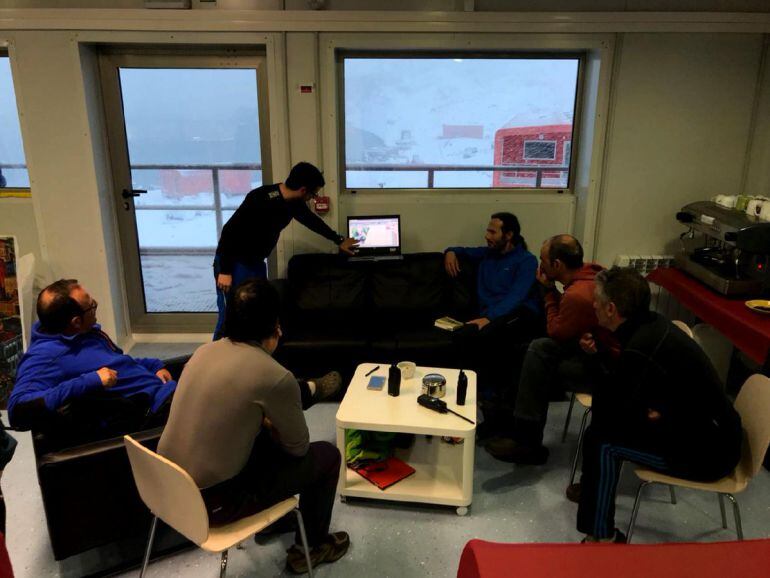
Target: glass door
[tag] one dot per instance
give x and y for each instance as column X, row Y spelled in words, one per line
column 188, row 140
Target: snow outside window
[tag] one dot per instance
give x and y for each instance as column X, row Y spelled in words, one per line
column 453, row 122
column 197, row 157
column 13, row 166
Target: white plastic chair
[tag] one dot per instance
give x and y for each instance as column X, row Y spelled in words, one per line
column 753, row 405
column 172, row 495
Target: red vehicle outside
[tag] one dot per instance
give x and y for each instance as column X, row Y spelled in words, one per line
column 539, row 146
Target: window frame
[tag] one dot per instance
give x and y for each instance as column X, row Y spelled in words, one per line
column 19, row 192
column 341, row 54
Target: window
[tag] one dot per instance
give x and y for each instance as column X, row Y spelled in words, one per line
column 457, row 121
column 13, row 167
column 539, row 150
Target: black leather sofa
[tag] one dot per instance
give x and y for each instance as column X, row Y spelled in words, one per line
column 337, row 313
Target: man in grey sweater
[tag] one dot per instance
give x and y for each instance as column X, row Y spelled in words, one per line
column 237, row 427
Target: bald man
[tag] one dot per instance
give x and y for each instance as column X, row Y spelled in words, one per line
column 71, row 359
column 555, row 360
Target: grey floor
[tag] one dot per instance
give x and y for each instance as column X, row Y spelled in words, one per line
column 510, row 504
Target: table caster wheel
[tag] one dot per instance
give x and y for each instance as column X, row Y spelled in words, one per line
column 343, row 499
column 462, row 510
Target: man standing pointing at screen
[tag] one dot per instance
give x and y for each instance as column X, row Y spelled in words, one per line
column 252, row 232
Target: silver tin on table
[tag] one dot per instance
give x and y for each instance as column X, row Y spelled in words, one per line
column 434, row 385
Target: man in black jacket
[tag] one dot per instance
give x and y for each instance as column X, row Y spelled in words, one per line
column 252, row 232
column 659, row 404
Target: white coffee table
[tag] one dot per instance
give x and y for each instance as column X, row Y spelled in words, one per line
column 444, row 472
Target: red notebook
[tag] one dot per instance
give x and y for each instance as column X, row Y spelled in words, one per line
column 385, row 474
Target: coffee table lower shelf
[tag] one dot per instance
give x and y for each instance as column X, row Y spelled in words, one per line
column 439, row 478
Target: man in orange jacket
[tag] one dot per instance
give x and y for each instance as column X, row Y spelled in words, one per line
column 556, row 359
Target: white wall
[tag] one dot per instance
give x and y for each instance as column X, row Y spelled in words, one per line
column 50, row 90
column 680, row 123
column 433, row 224
column 758, row 169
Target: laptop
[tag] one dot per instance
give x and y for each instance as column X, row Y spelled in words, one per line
column 378, row 237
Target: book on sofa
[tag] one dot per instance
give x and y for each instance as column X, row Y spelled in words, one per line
column 448, row 323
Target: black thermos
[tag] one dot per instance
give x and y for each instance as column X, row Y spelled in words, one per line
column 462, row 387
column 394, row 380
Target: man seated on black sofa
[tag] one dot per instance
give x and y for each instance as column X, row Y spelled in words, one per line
column 237, row 427
column 508, row 299
column 74, row 377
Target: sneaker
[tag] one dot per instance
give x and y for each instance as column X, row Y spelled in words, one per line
column 617, row 538
column 330, row 550
column 573, row 492
column 509, row 450
column 327, row 385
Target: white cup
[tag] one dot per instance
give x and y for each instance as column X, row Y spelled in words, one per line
column 754, row 208
column 407, row 369
column 764, row 213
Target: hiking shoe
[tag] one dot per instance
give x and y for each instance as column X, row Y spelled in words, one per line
column 327, row 385
column 330, row 550
column 573, row 492
column 617, row 538
column 509, row 450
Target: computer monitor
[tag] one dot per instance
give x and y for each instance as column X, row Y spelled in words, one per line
column 376, row 234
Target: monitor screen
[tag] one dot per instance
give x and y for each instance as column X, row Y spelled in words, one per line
column 374, row 232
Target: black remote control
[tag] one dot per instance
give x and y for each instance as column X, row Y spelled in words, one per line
column 433, row 403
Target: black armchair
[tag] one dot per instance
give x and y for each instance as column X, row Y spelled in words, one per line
column 88, row 490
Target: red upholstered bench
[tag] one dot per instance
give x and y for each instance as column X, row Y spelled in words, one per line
column 750, row 558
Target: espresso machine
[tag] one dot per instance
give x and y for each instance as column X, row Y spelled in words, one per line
column 725, row 249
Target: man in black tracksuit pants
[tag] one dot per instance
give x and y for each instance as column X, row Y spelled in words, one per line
column 659, row 404
column 252, row 232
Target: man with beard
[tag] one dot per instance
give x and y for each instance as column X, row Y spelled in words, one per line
column 509, row 308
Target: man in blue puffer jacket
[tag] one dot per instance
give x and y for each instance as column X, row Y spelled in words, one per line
column 71, row 362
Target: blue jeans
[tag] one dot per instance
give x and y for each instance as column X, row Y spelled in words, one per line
column 240, row 273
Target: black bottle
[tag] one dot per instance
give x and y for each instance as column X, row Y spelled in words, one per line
column 462, row 387
column 394, row 380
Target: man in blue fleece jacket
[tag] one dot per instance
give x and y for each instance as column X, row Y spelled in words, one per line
column 509, row 304
column 70, row 359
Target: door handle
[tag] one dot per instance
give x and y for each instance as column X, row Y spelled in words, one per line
column 128, row 193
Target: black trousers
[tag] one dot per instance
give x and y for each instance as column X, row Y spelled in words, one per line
column 270, row 476
column 548, row 366
column 495, row 352
column 604, row 453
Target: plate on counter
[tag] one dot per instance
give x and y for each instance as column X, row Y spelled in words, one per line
column 759, row 306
